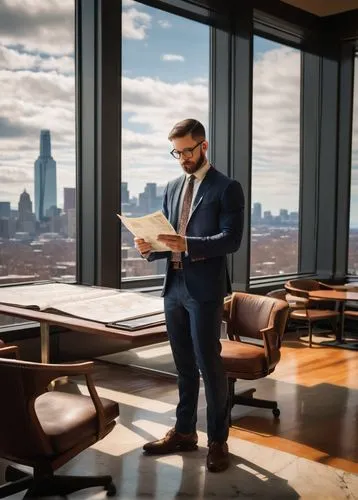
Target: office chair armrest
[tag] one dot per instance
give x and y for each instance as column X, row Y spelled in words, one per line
column 295, row 300
column 226, row 316
column 43, row 374
column 37, row 376
column 271, row 343
column 325, row 286
column 13, row 350
column 297, row 291
column 227, row 307
column 101, row 421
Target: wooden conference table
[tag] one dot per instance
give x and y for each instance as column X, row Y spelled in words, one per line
column 138, row 338
column 340, row 296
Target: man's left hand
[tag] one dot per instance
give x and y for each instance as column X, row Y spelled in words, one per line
column 175, row 242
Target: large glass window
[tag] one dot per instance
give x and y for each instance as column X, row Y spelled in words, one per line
column 37, row 141
column 275, row 159
column 353, row 230
column 165, row 79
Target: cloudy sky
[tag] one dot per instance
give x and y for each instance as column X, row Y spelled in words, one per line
column 165, row 79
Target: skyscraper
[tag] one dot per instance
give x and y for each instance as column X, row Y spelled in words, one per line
column 26, row 219
column 25, row 205
column 124, row 192
column 5, row 210
column 45, row 177
column 148, row 200
column 69, row 196
column 257, row 213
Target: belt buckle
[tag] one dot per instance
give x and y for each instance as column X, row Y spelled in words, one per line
column 177, row 265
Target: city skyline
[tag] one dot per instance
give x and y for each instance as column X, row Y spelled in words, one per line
column 165, row 77
column 161, row 186
column 136, row 197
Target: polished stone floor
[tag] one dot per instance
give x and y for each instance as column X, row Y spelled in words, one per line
column 256, row 472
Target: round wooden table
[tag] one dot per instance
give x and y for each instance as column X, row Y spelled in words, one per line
column 348, row 287
column 339, row 296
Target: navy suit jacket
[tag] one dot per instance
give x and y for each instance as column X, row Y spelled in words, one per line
column 214, row 230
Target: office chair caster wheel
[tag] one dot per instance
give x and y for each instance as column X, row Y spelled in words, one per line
column 111, row 490
column 276, row 412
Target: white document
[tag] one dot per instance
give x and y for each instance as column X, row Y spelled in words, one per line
column 49, row 295
column 92, row 303
column 116, row 307
column 149, row 227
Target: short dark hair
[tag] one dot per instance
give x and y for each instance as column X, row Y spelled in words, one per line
column 186, row 127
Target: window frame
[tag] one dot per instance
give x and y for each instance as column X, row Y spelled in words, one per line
column 98, row 129
column 348, row 75
column 232, row 31
column 279, row 35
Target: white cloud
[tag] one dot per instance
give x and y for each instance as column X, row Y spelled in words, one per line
column 135, row 24
column 156, row 106
column 11, row 59
column 29, row 102
column 163, row 23
column 276, row 129
column 172, row 57
column 38, row 26
column 37, row 91
column 201, row 80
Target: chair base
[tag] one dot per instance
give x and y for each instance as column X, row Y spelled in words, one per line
column 246, row 398
column 47, row 485
column 311, row 331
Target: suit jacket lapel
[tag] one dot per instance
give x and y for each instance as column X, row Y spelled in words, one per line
column 174, row 215
column 203, row 188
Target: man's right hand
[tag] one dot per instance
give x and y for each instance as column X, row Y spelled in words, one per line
column 142, row 246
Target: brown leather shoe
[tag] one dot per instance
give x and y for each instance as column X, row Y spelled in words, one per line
column 218, row 457
column 173, row 441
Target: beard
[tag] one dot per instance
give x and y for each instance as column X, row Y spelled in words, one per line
column 190, row 167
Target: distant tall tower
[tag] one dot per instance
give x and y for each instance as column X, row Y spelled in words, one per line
column 26, row 219
column 45, row 177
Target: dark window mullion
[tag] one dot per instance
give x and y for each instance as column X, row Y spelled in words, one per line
column 310, row 125
column 345, row 126
column 241, row 136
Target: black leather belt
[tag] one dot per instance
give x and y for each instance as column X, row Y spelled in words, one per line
column 176, row 265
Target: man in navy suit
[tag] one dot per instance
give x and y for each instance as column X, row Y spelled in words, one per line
column 206, row 208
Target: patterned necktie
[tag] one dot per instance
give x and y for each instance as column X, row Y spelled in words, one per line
column 184, row 216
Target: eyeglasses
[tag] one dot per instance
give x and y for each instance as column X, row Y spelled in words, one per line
column 187, row 152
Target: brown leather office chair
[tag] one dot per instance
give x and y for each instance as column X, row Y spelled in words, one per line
column 294, row 302
column 315, row 309
column 255, row 326
column 308, row 284
column 45, row 429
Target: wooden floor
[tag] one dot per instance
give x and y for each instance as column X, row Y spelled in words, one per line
column 317, row 391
